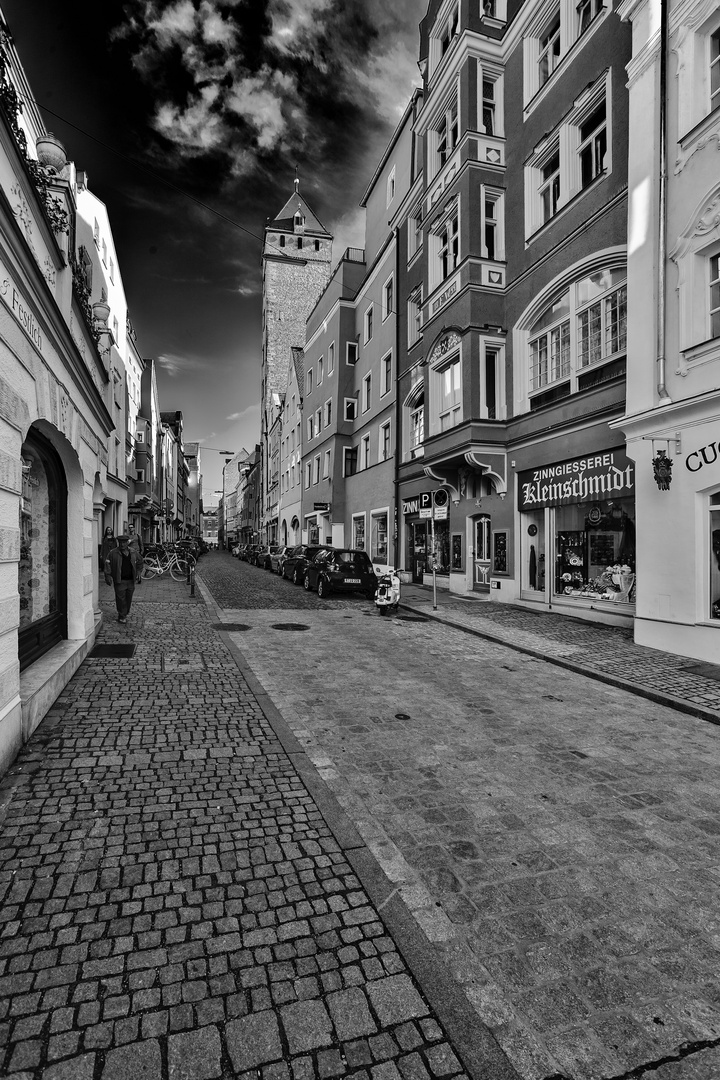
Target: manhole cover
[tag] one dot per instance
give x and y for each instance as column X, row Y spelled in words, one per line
column 402, row 716
column 112, row 652
column 289, row 626
column 231, row 627
column 411, row 618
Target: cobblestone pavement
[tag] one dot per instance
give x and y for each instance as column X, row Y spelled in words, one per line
column 607, row 650
column 174, row 903
column 556, row 838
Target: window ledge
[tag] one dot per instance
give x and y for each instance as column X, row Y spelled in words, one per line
column 572, row 201
column 414, row 257
column 702, row 353
column 701, row 128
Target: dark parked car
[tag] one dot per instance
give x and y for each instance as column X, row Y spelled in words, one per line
column 346, row 570
column 263, row 556
column 277, row 558
column 298, row 558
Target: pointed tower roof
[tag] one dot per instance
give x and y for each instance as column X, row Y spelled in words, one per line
column 284, row 222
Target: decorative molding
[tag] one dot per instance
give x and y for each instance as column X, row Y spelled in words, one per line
column 446, row 344
column 493, row 466
column 699, row 138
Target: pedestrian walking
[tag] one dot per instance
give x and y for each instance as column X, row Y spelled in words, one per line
column 120, row 572
column 136, row 550
column 109, row 542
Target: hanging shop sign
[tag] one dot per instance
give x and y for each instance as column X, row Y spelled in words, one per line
column 609, row 474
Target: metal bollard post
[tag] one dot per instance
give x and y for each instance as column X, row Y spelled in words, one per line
column 192, row 582
column 189, row 572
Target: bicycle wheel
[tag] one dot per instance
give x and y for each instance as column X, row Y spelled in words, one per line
column 179, row 569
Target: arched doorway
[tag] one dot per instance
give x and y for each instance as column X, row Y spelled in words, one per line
column 482, row 538
column 42, row 570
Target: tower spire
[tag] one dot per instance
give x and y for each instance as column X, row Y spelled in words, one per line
column 297, row 181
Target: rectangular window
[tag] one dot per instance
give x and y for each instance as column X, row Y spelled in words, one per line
column 446, row 134
column 715, row 296
column 385, row 442
column 104, row 253
column 549, row 56
column 491, row 226
column 449, row 396
column 318, row 421
column 112, row 271
column 367, row 393
column 593, row 145
column 358, row 532
column 449, row 30
column 310, row 381
column 352, row 350
column 414, row 316
column 349, row 461
column 714, row 553
column 350, row 408
column 391, row 186
column 415, row 236
column 310, row 429
column 320, row 371
column 308, row 474
column 488, row 106
column 417, row 430
column 368, row 325
column 140, row 476
column 715, row 70
column 449, row 252
column 328, row 413
column 550, row 187
column 316, row 470
column 96, row 235
column 386, row 374
column 326, row 465
column 331, row 357
column 379, row 538
column 586, row 12
column 550, row 356
column 388, row 303
column 365, row 453
column 140, row 436
column 490, row 382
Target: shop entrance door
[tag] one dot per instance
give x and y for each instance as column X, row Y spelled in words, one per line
column 418, row 550
column 481, row 561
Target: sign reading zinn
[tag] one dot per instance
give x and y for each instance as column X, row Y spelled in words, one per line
column 416, row 503
column 606, row 475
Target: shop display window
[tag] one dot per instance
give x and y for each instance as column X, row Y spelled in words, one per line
column 499, row 562
column 715, row 556
column 457, row 561
column 441, row 549
column 358, row 527
column 379, row 538
column 595, row 551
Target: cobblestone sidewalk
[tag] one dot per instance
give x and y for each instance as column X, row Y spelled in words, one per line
column 607, row 652
column 174, row 903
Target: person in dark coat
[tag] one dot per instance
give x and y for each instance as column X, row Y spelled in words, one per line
column 137, row 552
column 120, row 572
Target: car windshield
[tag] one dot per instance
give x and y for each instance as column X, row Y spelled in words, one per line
column 358, row 560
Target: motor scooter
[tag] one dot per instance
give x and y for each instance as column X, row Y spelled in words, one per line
column 387, row 594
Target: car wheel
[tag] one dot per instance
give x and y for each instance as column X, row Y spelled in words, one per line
column 323, row 588
column 306, row 583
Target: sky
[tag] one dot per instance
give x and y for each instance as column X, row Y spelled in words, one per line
column 222, row 99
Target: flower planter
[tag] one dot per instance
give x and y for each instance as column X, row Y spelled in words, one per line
column 51, row 153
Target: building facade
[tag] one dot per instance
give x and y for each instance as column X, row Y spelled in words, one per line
column 672, row 422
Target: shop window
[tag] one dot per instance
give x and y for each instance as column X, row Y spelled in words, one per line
column 379, row 537
column 595, row 550
column 440, row 542
column 715, row 556
column 500, row 553
column 43, row 554
column 457, row 551
column 532, row 552
column 358, row 532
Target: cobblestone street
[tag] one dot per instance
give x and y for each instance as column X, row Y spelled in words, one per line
column 555, row 837
column 175, row 903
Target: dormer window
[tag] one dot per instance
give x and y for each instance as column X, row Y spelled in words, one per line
column 444, row 32
column 299, row 221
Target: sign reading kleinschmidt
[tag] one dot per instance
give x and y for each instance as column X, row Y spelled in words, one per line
column 597, row 477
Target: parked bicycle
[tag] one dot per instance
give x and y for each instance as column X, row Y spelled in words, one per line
column 170, row 560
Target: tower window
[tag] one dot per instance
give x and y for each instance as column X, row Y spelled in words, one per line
column 299, row 241
column 282, row 241
column 317, row 245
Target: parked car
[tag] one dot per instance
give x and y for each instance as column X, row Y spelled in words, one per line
column 346, row 570
column 264, row 554
column 243, row 551
column 250, row 553
column 277, row 558
column 298, row 558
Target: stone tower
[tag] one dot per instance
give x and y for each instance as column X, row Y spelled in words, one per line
column 297, row 260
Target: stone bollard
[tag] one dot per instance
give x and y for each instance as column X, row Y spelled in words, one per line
column 192, row 582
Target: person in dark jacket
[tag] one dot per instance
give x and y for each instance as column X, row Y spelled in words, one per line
column 120, row 572
column 136, row 551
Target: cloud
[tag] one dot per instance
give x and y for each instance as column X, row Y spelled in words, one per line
column 175, row 365
column 245, row 412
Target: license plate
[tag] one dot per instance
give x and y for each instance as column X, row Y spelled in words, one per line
column 352, row 580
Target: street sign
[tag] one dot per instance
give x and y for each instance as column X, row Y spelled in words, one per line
column 425, row 504
column 321, row 506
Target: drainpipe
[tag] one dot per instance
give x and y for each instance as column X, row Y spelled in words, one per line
column 663, row 395
column 398, row 449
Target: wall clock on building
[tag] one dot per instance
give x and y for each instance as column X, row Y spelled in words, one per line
column 532, row 530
